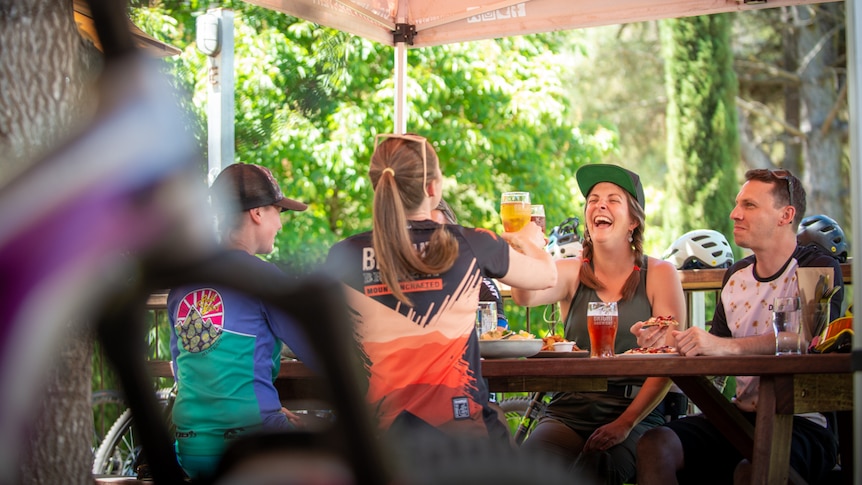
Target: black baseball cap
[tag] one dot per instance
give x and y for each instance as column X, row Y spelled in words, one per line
column 590, row 175
column 246, row 186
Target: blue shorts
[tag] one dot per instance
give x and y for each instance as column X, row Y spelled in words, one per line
column 198, row 466
column 813, row 450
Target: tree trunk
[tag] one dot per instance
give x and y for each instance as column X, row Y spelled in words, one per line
column 58, row 450
column 44, row 68
column 818, row 33
column 792, row 143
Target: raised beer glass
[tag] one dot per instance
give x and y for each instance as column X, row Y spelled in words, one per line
column 602, row 323
column 515, row 210
column 537, row 215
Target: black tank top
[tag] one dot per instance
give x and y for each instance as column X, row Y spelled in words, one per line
column 635, row 310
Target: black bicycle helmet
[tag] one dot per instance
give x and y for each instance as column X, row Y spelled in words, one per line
column 564, row 241
column 700, row 249
column 824, row 232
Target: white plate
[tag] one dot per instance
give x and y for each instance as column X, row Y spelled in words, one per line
column 510, row 348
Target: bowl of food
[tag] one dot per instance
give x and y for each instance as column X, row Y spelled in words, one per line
column 503, row 344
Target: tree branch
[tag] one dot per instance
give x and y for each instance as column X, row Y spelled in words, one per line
column 824, row 128
column 785, row 77
column 763, row 110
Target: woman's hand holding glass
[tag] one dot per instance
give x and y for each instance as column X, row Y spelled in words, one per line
column 530, row 233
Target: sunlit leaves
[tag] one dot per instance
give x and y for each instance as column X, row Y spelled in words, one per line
column 309, row 101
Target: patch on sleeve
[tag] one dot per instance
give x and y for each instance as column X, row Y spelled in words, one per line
column 461, row 408
column 199, row 320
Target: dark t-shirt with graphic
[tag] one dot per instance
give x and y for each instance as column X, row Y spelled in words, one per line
column 423, row 361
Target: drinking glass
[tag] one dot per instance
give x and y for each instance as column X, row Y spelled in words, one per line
column 787, row 324
column 602, row 323
column 537, row 215
column 515, row 210
column 486, row 317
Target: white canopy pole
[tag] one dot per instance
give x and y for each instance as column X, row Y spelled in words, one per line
column 401, row 88
column 854, row 24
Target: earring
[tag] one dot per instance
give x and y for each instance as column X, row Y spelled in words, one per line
column 630, row 236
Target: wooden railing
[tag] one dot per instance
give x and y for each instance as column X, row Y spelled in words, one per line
column 694, row 282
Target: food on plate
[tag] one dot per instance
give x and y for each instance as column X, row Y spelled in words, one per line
column 666, row 349
column 503, row 333
column 550, row 340
column 660, row 322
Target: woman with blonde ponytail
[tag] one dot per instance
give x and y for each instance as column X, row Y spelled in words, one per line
column 596, row 432
column 413, row 289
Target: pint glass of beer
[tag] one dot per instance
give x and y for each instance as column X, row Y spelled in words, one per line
column 537, row 215
column 515, row 210
column 602, row 322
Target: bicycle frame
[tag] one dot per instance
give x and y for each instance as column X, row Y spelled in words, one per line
column 109, row 217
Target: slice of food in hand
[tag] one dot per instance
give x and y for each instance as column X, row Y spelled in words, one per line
column 666, row 349
column 660, row 321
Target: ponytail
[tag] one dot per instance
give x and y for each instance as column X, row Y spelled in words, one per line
column 396, row 173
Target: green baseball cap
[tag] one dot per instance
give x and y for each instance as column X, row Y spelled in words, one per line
column 589, row 175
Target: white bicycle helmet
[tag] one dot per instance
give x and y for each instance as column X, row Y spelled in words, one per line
column 700, row 249
column 564, row 241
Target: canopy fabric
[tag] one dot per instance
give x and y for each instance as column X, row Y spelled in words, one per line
column 448, row 21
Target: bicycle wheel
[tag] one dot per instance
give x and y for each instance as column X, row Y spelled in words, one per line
column 108, row 405
column 119, row 453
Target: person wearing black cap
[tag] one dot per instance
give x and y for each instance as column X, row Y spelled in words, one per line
column 596, row 432
column 225, row 345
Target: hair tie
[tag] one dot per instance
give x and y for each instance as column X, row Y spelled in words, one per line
column 637, row 268
column 585, row 260
column 389, row 169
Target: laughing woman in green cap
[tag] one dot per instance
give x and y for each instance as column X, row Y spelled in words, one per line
column 596, row 432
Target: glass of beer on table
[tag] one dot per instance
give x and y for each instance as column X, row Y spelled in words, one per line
column 537, row 215
column 602, row 323
column 515, row 210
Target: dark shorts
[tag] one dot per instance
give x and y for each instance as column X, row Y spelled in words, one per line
column 813, row 450
column 560, row 434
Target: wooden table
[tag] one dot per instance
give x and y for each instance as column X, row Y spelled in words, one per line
column 788, row 385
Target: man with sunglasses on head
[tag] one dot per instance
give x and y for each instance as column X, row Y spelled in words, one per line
column 769, row 207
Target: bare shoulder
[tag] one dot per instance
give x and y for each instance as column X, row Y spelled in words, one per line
column 661, row 268
column 569, row 268
column 568, row 274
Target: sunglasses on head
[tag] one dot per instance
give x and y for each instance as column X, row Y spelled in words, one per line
column 415, row 138
column 781, row 174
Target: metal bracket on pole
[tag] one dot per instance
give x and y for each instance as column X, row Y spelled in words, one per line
column 404, row 33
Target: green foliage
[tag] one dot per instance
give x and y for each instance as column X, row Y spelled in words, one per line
column 703, row 143
column 309, row 101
